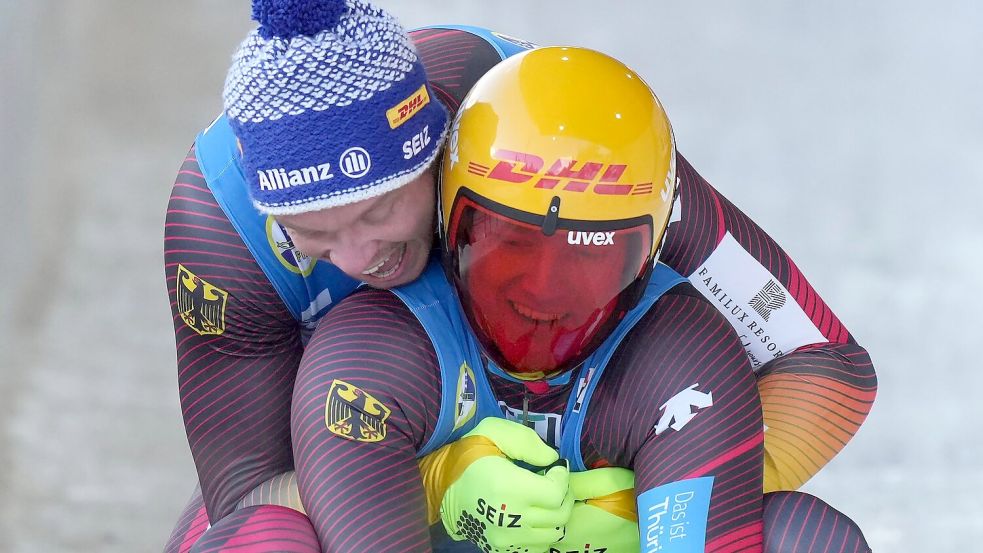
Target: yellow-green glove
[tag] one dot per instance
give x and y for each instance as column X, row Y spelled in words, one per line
column 604, row 517
column 489, row 500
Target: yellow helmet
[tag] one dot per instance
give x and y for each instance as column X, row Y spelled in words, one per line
column 556, row 189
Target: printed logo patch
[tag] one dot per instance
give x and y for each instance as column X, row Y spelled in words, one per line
column 200, row 304
column 283, row 247
column 355, row 162
column 453, row 142
column 280, row 178
column 582, row 384
column 770, row 298
column 403, row 111
column 567, row 174
column 353, row 414
column 767, row 318
column 467, row 394
column 677, row 412
column 580, row 237
column 673, row 517
column 415, row 145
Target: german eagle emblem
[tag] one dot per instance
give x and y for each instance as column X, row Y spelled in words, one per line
column 200, row 304
column 353, row 414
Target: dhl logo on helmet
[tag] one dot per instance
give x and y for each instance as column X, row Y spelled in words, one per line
column 591, row 176
column 598, row 178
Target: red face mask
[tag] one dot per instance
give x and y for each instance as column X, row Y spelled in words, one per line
column 541, row 304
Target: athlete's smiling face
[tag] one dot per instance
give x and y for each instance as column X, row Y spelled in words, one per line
column 541, row 303
column 383, row 241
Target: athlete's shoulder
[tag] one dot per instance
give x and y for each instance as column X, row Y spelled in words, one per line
column 373, row 326
column 502, row 44
column 193, row 209
column 456, row 56
column 742, row 270
column 681, row 324
column 370, row 306
column 682, row 347
column 216, row 287
column 216, row 148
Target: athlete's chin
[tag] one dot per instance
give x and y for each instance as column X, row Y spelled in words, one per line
column 533, row 362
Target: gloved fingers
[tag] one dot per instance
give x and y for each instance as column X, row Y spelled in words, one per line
column 604, row 531
column 560, row 476
column 540, row 490
column 533, row 539
column 540, row 518
column 517, row 441
column 600, row 482
column 583, row 514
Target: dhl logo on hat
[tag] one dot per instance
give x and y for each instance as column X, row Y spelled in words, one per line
column 403, row 111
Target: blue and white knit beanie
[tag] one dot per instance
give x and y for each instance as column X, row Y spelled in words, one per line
column 331, row 106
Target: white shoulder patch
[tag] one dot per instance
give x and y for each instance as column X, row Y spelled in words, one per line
column 678, row 411
column 767, row 318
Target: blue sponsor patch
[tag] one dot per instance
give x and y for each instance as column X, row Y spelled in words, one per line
column 673, row 518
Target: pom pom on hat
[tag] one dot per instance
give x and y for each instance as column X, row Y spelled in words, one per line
column 330, row 104
column 290, row 18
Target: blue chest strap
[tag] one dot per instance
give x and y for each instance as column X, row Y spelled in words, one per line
column 308, row 288
column 663, row 279
column 467, row 395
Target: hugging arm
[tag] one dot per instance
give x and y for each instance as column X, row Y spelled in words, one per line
column 817, row 383
column 367, row 396
column 238, row 347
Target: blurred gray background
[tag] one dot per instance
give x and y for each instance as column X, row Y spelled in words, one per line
column 851, row 131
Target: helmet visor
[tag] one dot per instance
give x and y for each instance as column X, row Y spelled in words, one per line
column 541, row 304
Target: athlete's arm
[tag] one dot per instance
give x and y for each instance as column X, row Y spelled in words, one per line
column 678, row 405
column 238, row 429
column 367, row 397
column 817, row 383
column 237, row 347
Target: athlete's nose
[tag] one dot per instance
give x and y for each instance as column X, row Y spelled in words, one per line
column 547, row 278
column 353, row 256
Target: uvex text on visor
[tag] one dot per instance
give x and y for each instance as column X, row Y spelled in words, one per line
column 556, row 189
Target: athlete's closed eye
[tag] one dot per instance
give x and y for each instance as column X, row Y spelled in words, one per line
column 298, row 234
column 380, row 213
column 515, row 238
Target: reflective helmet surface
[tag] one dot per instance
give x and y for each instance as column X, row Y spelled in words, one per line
column 556, row 189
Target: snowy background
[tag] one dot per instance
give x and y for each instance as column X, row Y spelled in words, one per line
column 851, row 131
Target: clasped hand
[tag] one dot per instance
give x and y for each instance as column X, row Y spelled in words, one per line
column 500, row 506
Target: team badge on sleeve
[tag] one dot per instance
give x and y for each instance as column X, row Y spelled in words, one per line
column 201, row 304
column 353, row 414
column 466, row 404
column 283, row 248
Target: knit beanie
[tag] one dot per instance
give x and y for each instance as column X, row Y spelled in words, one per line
column 330, row 103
